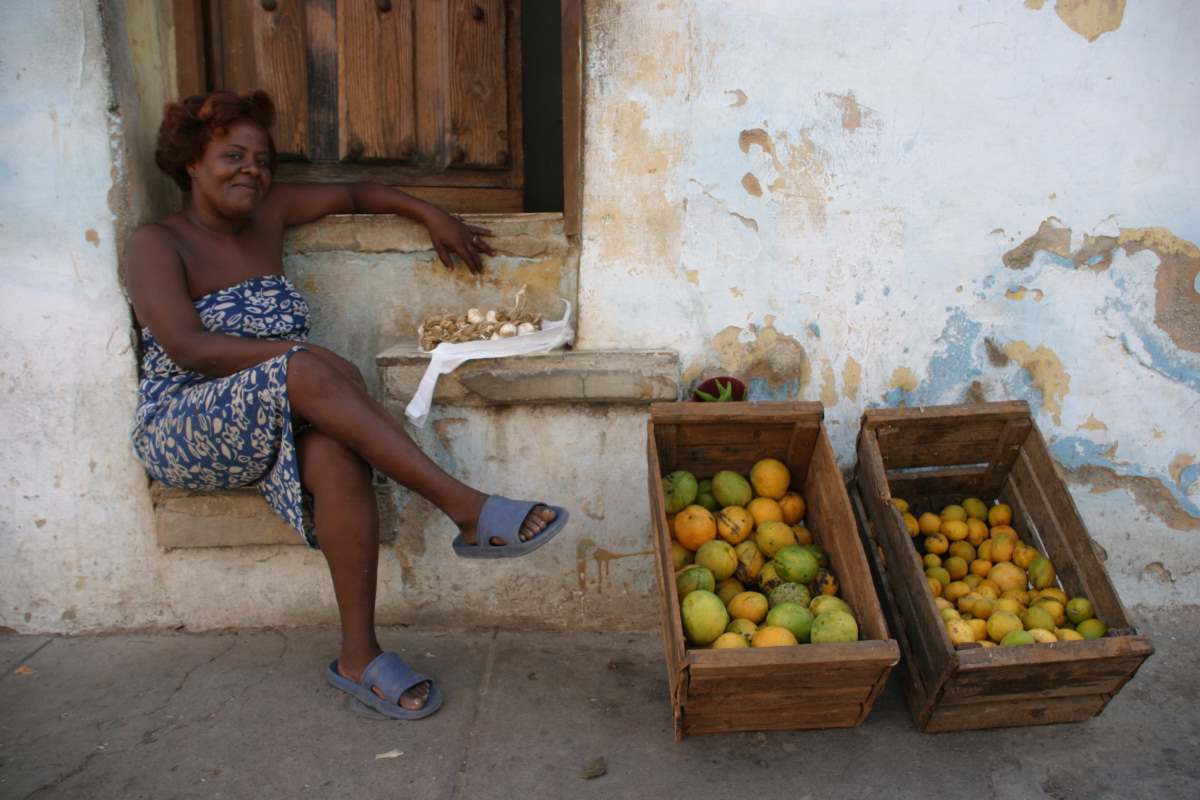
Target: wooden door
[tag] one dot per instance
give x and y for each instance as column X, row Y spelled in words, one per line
column 421, row 94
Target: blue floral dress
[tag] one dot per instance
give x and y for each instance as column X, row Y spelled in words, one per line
column 197, row 432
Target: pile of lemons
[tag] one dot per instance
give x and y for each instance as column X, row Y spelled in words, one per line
column 747, row 571
column 988, row 585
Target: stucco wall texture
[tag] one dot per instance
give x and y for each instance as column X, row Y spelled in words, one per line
column 875, row 203
column 863, row 203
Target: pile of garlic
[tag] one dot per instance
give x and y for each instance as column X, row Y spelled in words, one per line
column 477, row 326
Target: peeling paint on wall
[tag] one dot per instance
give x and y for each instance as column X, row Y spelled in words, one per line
column 751, row 185
column 1091, row 18
column 1177, row 305
column 829, row 395
column 1046, row 373
column 1092, row 424
column 851, row 378
column 770, row 362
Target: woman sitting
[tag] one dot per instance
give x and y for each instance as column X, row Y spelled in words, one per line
column 233, row 394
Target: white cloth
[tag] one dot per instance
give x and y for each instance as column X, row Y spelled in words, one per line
column 447, row 357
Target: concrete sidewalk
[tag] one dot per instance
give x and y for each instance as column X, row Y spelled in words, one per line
column 248, row 715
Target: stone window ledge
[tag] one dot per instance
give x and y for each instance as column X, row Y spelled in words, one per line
column 185, row 519
column 629, row 377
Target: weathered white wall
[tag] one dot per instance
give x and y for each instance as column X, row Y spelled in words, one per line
column 863, row 203
column 868, row 203
column 74, row 512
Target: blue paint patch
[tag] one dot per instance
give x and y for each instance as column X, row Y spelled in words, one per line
column 1073, row 452
column 989, row 281
column 1188, row 476
column 954, row 366
column 760, row 390
column 858, row 298
column 898, row 397
column 1172, row 364
column 888, row 290
column 814, row 329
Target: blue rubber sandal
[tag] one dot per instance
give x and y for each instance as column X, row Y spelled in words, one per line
column 390, row 674
column 502, row 518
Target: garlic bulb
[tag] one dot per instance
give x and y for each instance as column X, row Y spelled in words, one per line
column 526, row 327
column 491, row 315
column 507, row 330
column 474, row 316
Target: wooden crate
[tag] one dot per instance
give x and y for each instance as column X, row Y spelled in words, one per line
column 778, row 688
column 935, row 455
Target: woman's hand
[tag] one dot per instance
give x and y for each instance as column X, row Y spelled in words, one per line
column 451, row 235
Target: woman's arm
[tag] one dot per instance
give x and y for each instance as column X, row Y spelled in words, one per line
column 158, row 289
column 298, row 203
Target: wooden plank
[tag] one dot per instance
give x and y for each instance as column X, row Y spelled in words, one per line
column 831, row 518
column 515, row 134
column 739, row 413
column 376, row 89
column 393, row 174
column 739, row 664
column 431, row 41
column 260, row 49
column 810, row 717
column 1003, row 456
column 932, row 658
column 737, row 433
column 1037, row 476
column 802, row 438
column 934, row 448
column 874, row 418
column 962, row 482
column 279, row 56
column 477, row 91
column 771, row 695
column 1032, row 681
column 188, row 25
column 707, row 461
column 572, row 109
column 668, row 605
column 321, row 60
column 989, row 714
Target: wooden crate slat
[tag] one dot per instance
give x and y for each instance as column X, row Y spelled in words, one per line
column 774, row 694
column 813, row 716
column 988, row 714
column 1037, row 466
column 778, row 435
column 1031, row 681
column 739, row 413
column 959, row 481
column 915, row 604
column 1005, row 410
column 376, row 81
column 1004, row 455
column 739, row 664
column 801, row 440
column 831, row 518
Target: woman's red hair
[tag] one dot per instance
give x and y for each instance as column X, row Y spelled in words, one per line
column 188, row 126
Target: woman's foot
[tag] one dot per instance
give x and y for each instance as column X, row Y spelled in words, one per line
column 414, row 699
column 536, row 521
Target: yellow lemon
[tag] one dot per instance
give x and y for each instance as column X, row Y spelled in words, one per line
column 770, row 478
column 764, row 509
column 793, row 507
column 999, row 514
column 977, row 531
column 929, row 523
column 734, row 524
column 772, row 636
column 730, row 641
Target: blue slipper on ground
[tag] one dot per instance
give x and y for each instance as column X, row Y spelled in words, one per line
column 502, row 518
column 390, row 674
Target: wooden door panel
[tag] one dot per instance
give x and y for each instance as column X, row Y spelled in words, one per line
column 375, row 81
column 477, row 87
column 260, row 49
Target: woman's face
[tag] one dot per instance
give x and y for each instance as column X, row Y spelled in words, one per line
column 234, row 173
